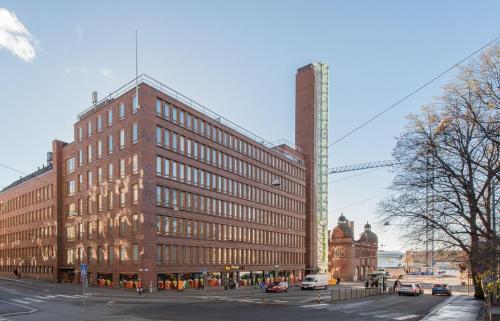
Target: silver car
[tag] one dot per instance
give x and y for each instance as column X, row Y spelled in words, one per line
column 410, row 289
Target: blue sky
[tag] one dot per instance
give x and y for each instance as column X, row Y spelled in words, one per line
column 239, row 59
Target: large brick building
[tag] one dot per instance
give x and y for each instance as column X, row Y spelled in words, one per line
column 350, row 258
column 157, row 187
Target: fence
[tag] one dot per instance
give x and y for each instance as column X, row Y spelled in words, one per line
column 338, row 294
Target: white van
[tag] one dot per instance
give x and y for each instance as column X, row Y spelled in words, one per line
column 315, row 281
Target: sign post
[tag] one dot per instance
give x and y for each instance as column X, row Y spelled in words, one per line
column 83, row 275
column 204, row 270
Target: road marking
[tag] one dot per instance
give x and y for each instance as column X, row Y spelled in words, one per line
column 409, row 316
column 314, row 306
column 34, row 300
column 20, row 301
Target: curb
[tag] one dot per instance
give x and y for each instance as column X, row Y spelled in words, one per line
column 439, row 306
column 31, row 310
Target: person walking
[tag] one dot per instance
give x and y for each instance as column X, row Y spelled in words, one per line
column 139, row 286
column 395, row 286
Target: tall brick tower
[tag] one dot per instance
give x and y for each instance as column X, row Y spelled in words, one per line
column 311, row 134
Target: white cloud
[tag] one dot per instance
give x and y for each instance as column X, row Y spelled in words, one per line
column 68, row 70
column 15, row 37
column 106, row 72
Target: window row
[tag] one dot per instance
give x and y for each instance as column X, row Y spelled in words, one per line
column 181, row 200
column 175, row 254
column 106, row 254
column 205, row 179
column 102, row 228
column 26, row 253
column 185, row 146
column 77, row 185
column 104, row 201
column 100, row 148
column 27, row 269
column 193, row 229
column 216, row 134
column 106, row 119
column 41, row 214
column 33, row 234
column 36, row 196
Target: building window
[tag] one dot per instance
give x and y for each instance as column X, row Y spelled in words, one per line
column 110, row 172
column 121, row 111
column 122, row 168
column 134, row 133
column 99, row 148
column 158, row 196
column 80, row 231
column 99, row 123
column 135, row 193
column 110, row 117
column 80, row 133
column 70, row 256
column 90, row 230
column 80, row 157
column 122, row 196
column 123, row 225
column 70, row 233
column 70, row 165
column 90, row 254
column 135, row 165
column 70, row 187
column 99, row 202
column 135, row 104
column 100, row 178
column 110, row 144
column 158, row 107
column 123, row 253
column 110, row 200
column 158, row 224
column 122, row 138
column 89, row 205
column 158, row 165
column 135, row 223
column 89, row 129
column 158, row 252
column 70, row 210
column 89, row 179
column 111, row 254
column 89, row 153
column 135, row 248
column 100, row 255
column 110, row 227
column 80, row 254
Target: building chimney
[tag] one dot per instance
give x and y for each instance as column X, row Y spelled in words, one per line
column 351, row 225
column 94, row 98
column 49, row 158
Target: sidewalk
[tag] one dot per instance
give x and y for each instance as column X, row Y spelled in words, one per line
column 459, row 308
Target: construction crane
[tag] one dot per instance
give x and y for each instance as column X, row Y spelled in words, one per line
column 358, row 167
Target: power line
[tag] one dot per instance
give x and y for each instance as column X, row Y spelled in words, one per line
column 359, row 202
column 355, row 175
column 355, row 129
column 23, row 173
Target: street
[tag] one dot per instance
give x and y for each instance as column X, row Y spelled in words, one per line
column 43, row 301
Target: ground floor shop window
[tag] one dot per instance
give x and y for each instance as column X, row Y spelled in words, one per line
column 214, row 279
column 104, row 279
column 167, row 281
column 128, row 280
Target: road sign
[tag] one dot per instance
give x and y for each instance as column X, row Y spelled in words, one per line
column 83, row 269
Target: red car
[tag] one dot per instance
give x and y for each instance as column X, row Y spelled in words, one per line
column 277, row 287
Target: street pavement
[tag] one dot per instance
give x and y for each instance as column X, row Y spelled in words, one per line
column 44, row 301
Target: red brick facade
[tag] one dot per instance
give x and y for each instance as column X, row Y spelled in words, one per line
column 351, row 259
column 159, row 190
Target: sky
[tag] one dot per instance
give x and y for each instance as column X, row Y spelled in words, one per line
column 239, row 59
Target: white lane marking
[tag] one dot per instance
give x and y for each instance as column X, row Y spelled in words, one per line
column 20, row 301
column 314, row 306
column 409, row 316
column 33, row 300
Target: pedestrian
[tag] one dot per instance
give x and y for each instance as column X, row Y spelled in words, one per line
column 338, row 281
column 15, row 272
column 395, row 286
column 139, row 287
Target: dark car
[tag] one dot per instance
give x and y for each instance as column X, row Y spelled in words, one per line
column 441, row 289
column 277, row 287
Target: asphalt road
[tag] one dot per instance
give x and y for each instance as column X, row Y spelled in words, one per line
column 41, row 301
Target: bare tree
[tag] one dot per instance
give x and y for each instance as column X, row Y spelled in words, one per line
column 449, row 167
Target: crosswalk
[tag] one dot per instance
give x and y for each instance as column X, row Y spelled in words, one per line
column 45, row 298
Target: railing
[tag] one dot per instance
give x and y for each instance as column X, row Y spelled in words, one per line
column 338, row 294
column 143, row 78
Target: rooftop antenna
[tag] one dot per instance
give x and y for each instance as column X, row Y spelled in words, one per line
column 136, row 71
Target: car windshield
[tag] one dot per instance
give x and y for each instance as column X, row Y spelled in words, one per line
column 309, row 279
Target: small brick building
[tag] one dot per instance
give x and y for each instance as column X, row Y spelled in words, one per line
column 348, row 258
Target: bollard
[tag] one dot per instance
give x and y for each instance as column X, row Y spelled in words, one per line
column 319, row 297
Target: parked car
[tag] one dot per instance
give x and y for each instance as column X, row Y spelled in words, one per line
column 277, row 287
column 441, row 289
column 314, row 281
column 420, row 287
column 410, row 289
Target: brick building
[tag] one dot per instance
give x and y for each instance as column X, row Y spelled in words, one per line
column 351, row 259
column 157, row 187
